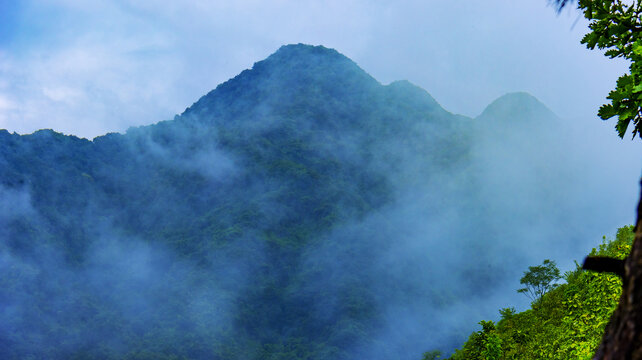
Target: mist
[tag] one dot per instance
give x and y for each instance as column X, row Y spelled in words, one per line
column 300, row 210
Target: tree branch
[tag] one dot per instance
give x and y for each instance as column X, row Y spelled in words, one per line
column 604, row 264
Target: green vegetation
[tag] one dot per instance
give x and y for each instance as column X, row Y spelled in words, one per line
column 566, row 322
column 615, row 26
column 432, row 355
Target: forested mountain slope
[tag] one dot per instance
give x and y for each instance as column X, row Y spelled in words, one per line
column 300, row 210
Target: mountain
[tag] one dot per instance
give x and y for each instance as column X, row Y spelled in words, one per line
column 301, row 210
column 524, row 104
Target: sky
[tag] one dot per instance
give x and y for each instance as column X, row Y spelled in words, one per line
column 88, row 68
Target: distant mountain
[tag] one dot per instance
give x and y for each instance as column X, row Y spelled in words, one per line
column 520, row 104
column 301, row 210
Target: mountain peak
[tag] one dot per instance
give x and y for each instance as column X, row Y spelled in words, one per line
column 521, row 103
column 311, row 62
column 293, row 72
column 296, row 51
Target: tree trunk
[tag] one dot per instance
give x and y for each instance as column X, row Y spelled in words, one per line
column 623, row 336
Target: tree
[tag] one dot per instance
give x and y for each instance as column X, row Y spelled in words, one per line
column 431, row 355
column 539, row 279
column 492, row 344
column 617, row 26
column 484, row 344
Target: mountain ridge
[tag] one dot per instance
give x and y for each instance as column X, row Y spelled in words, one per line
column 296, row 59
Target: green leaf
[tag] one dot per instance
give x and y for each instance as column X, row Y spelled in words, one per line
column 637, row 48
column 606, row 112
column 621, row 126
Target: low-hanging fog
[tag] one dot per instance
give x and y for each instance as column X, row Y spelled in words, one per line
column 299, row 210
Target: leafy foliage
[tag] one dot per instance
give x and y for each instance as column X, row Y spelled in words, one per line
column 616, row 25
column 566, row 323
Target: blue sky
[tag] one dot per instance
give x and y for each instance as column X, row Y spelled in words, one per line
column 91, row 67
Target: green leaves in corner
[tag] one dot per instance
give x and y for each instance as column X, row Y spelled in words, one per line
column 625, row 102
column 617, row 27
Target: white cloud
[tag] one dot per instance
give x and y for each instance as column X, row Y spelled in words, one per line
column 5, row 103
column 62, row 94
column 93, row 83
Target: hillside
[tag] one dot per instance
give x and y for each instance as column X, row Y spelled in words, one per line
column 300, row 210
column 567, row 322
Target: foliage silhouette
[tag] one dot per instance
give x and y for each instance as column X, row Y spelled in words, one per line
column 539, row 279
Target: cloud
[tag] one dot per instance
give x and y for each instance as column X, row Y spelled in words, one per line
column 14, row 204
column 96, row 80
